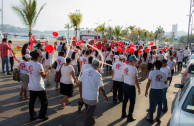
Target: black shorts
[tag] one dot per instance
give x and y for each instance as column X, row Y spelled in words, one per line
column 150, row 66
column 66, row 89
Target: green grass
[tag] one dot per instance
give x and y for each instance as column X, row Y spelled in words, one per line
column 15, row 49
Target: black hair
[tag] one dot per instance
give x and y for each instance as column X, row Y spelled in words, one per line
column 164, row 61
column 61, row 43
column 4, row 39
column 145, row 56
column 34, row 54
column 83, row 52
column 23, row 57
column 103, row 50
column 73, row 55
column 158, row 64
column 62, row 49
column 88, row 52
column 24, row 49
column 68, row 60
column 151, row 53
column 170, row 53
column 90, row 59
column 38, row 45
column 47, row 55
column 96, row 53
column 62, row 53
column 9, row 41
column 109, row 49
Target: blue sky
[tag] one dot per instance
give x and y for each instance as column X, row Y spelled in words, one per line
column 147, row 14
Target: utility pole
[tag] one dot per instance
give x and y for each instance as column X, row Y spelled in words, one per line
column 189, row 22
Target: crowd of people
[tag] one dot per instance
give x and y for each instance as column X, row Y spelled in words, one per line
column 85, row 66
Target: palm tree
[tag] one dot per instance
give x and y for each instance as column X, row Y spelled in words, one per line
column 28, row 13
column 117, row 31
column 160, row 31
column 155, row 36
column 132, row 28
column 110, row 31
column 76, row 19
column 125, row 33
column 101, row 28
column 68, row 26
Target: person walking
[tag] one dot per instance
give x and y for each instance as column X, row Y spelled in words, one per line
column 118, row 81
column 11, row 59
column 172, row 65
column 75, row 59
column 59, row 48
column 24, row 78
column 4, row 48
column 156, row 79
column 144, row 64
column 179, row 60
column 37, row 87
column 186, row 54
column 66, row 82
column 130, row 75
column 151, row 61
column 89, row 85
column 108, row 59
column 39, row 50
column 160, row 56
column 25, row 49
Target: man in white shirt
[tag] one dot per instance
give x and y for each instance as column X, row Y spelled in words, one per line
column 37, row 87
column 90, row 84
column 179, row 60
column 117, row 69
column 167, row 71
column 172, row 65
column 130, row 75
column 156, row 80
column 160, row 56
column 186, row 54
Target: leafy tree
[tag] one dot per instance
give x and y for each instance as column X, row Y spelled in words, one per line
column 117, row 32
column 68, row 26
column 28, row 13
column 160, row 31
column 101, row 28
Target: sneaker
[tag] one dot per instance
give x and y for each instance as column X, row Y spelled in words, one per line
column 131, row 119
column 44, row 118
column 149, row 120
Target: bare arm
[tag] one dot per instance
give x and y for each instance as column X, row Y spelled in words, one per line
column 103, row 92
column 147, row 87
column 137, row 83
column 73, row 75
column 44, row 74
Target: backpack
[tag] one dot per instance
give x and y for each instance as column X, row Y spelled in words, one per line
column 16, row 74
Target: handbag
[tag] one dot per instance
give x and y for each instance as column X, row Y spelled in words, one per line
column 16, row 74
column 54, row 65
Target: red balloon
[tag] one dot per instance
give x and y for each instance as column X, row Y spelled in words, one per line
column 140, row 51
column 131, row 45
column 122, row 43
column 132, row 50
column 82, row 41
column 123, row 50
column 18, row 47
column 128, row 49
column 151, row 43
column 166, row 47
column 162, row 49
column 55, row 34
column 49, row 48
column 147, row 50
column 74, row 38
column 113, row 41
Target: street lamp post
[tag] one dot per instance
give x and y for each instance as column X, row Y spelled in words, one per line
column 189, row 22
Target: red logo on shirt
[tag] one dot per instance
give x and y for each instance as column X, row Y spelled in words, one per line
column 158, row 78
column 30, row 69
column 59, row 61
column 126, row 70
column 84, row 61
column 90, row 73
column 118, row 66
column 22, row 66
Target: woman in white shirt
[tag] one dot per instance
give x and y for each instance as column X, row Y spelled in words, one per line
column 23, row 75
column 75, row 58
column 66, row 82
column 108, row 59
column 60, row 61
column 144, row 64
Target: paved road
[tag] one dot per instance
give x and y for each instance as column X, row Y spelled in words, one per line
column 14, row 110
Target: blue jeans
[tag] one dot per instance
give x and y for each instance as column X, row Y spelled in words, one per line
column 129, row 94
column 5, row 62
column 165, row 103
column 156, row 96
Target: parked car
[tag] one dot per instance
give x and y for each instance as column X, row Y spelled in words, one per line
column 190, row 57
column 183, row 106
column 189, row 72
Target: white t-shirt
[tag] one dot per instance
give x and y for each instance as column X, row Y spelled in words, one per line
column 160, row 56
column 10, row 52
column 27, row 51
column 66, row 77
column 23, row 67
column 180, row 57
column 118, row 69
column 186, row 53
column 85, row 67
column 115, row 49
column 157, row 78
column 84, row 60
column 151, row 59
column 36, row 82
column 143, row 61
column 91, row 80
column 60, row 60
column 50, row 59
column 74, row 62
column 167, row 71
column 171, row 64
column 108, row 55
column 129, row 72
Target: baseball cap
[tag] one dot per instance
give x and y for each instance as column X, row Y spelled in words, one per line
column 27, row 56
column 131, row 58
column 121, row 57
column 116, row 57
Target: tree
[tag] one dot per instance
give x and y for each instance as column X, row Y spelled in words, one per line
column 132, row 28
column 145, row 34
column 75, row 19
column 110, row 31
column 155, row 36
column 68, row 26
column 160, row 31
column 117, row 32
column 28, row 13
column 125, row 33
column 101, row 28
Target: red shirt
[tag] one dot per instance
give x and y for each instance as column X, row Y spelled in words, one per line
column 4, row 49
